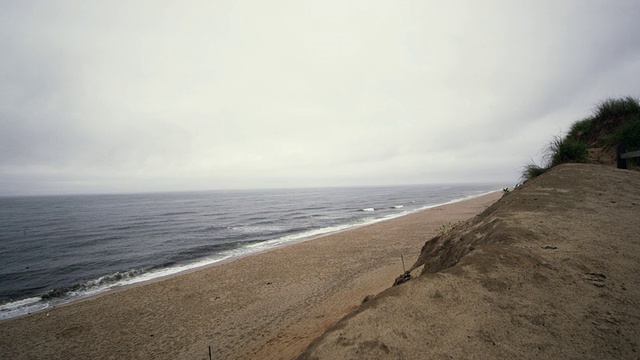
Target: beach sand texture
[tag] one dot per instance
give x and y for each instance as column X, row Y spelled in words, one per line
column 551, row 271
column 265, row 306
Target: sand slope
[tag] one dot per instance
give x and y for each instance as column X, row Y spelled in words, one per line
column 552, row 270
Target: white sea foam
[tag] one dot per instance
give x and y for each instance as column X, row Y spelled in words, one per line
column 294, row 237
column 22, row 307
column 456, row 200
column 256, row 229
column 19, row 303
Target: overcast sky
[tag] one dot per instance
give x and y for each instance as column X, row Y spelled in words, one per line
column 128, row 96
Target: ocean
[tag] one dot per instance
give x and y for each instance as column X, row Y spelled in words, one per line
column 57, row 249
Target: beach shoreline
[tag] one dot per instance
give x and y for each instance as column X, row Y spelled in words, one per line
column 281, row 245
column 269, row 304
column 35, row 304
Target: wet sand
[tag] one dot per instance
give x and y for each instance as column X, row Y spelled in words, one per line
column 269, row 305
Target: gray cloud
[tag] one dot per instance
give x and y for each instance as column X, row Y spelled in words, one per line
column 150, row 96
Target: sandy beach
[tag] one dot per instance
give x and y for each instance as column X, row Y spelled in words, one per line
column 266, row 306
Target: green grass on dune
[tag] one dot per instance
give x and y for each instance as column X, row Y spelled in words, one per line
column 567, row 150
column 580, row 130
column 616, row 108
column 627, row 134
column 613, row 122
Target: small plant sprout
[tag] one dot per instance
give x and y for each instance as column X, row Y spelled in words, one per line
column 444, row 228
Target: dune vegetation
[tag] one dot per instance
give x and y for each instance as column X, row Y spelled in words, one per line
column 594, row 139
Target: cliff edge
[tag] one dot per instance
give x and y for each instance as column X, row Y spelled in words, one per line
column 549, row 271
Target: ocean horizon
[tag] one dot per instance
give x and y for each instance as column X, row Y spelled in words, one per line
column 61, row 248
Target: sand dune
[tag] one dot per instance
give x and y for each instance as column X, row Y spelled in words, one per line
column 551, row 271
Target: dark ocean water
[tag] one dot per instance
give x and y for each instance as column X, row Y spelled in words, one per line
column 55, row 249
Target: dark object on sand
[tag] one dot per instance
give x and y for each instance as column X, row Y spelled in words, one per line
column 402, row 278
column 367, row 298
